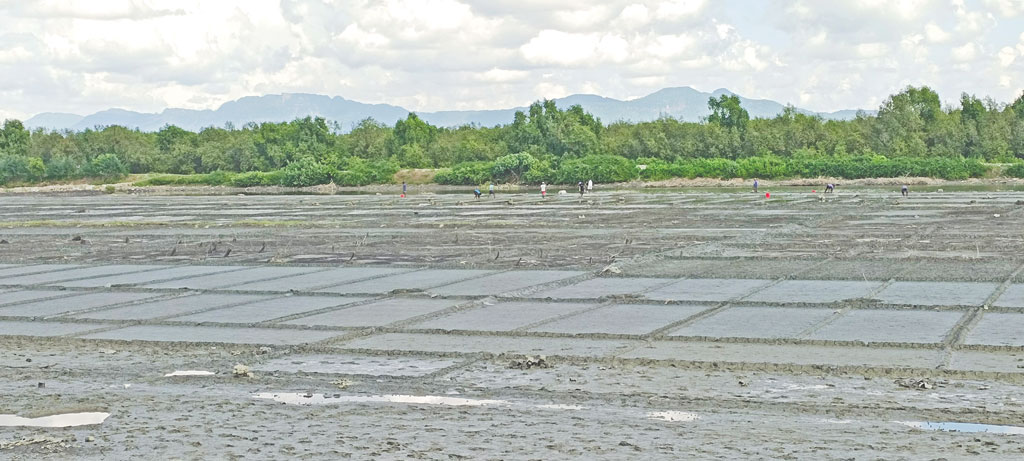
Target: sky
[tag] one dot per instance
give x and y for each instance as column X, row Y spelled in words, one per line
column 427, row 55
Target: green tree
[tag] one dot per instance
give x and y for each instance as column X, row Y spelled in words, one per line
column 370, row 140
column 14, row 138
column 106, row 166
column 511, row 168
column 727, row 112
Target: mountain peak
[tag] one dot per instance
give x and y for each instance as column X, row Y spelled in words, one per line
column 684, row 103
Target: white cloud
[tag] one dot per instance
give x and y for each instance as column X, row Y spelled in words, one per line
column 935, row 34
column 85, row 56
column 560, row 48
column 1006, row 56
column 354, row 35
column 104, row 11
column 652, row 81
column 724, row 30
column 872, row 50
column 548, row 90
column 497, row 75
column 679, row 9
column 965, row 52
column 585, row 18
column 634, row 15
column 1007, row 8
column 670, row 46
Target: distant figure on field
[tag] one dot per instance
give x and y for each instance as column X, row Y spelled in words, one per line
column 905, row 191
column 590, row 186
column 755, row 185
column 580, row 185
column 490, row 190
column 477, row 193
column 830, row 188
column 404, row 188
column 543, row 190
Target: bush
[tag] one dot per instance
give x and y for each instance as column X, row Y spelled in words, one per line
column 36, row 170
column 706, row 168
column 162, row 180
column 305, row 172
column 600, row 168
column 379, row 172
column 106, row 166
column 1016, row 170
column 61, row 168
column 541, row 172
column 511, row 168
column 653, row 169
column 846, row 167
column 359, row 172
column 17, row 168
column 770, row 167
column 465, row 174
column 217, row 178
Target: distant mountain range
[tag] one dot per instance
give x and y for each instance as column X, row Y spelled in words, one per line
column 683, row 103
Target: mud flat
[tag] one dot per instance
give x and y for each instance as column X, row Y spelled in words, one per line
column 627, row 324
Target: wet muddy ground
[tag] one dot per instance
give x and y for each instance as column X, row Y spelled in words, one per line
column 671, row 324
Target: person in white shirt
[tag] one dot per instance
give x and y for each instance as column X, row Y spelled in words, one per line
column 543, row 189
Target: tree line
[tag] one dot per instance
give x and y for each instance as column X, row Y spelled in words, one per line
column 911, row 134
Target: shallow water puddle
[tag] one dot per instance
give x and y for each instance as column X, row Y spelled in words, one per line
column 964, row 427
column 674, row 416
column 65, row 420
column 296, row 398
column 189, row 373
column 558, row 406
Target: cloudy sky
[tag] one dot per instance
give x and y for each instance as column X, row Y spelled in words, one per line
column 146, row 55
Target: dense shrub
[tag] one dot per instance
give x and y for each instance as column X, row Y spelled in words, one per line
column 216, row 178
column 61, row 168
column 359, row 172
column 16, row 168
column 1016, row 170
column 465, row 174
column 768, row 166
column 162, row 180
column 600, row 168
column 538, row 173
column 106, row 166
column 511, row 168
column 653, row 169
column 380, row 171
column 706, row 168
column 305, row 172
column 877, row 166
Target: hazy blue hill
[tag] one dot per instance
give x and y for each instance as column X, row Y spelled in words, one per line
column 683, row 103
column 54, row 120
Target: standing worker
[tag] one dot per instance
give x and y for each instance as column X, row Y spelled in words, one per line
column 490, row 190
column 580, row 185
column 590, row 186
column 755, row 185
column 905, row 191
column 543, row 190
column 403, row 188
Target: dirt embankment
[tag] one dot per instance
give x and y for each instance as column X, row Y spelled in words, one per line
column 130, row 187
